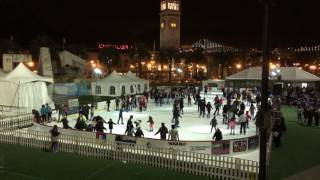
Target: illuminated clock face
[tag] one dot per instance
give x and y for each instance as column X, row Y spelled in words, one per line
column 163, row 6
column 173, row 6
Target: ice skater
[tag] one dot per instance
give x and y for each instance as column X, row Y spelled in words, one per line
column 209, row 107
column 111, row 123
column 213, row 123
column 120, row 116
column 151, row 123
column 232, row 125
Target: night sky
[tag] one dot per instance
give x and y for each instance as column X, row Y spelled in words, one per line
column 233, row 22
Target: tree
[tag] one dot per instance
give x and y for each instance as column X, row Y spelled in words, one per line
column 139, row 52
column 224, row 59
column 110, row 57
column 195, row 56
column 169, row 56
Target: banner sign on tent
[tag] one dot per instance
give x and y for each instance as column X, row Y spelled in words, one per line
column 240, row 145
column 220, row 147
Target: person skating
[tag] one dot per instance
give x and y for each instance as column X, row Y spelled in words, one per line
column 117, row 100
column 129, row 130
column 120, row 116
column 108, row 104
column 163, row 132
column 151, row 123
column 209, row 107
column 252, row 110
column 173, row 134
column 242, row 120
column 111, row 123
column 217, row 135
column 232, row 125
column 248, row 118
column 137, row 123
column 139, row 133
column 213, row 123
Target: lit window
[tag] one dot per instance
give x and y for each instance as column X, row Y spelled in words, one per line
column 112, row 90
column 173, row 25
column 98, row 89
column 163, row 6
column 162, row 25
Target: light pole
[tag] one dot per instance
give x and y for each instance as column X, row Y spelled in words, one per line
column 264, row 94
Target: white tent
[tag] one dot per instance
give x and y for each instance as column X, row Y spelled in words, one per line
column 290, row 74
column 23, row 88
column 116, row 85
column 2, row 74
column 142, row 85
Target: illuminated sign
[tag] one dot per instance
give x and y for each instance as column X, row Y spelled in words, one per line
column 121, row 47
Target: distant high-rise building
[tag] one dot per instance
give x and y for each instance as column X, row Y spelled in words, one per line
column 170, row 24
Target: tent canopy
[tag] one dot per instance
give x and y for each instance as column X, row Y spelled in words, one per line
column 21, row 74
column 114, row 77
column 23, row 88
column 293, row 74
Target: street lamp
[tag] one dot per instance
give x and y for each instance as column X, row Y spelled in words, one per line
column 238, row 66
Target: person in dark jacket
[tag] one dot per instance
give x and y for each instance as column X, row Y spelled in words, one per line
column 163, row 132
column 139, row 133
column 217, row 135
column 111, row 123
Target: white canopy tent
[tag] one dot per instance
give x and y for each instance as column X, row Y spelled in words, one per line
column 23, row 88
column 252, row 77
column 141, row 84
column 116, row 85
column 2, row 74
column 292, row 74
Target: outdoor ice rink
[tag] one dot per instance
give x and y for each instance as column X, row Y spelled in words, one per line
column 192, row 127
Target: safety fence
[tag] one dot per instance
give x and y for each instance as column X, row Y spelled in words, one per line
column 219, row 167
column 16, row 122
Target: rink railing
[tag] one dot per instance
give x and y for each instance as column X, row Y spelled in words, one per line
column 16, row 121
column 219, row 167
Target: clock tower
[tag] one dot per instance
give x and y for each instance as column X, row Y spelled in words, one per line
column 170, row 24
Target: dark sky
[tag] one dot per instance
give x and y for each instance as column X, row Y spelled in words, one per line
column 234, row 22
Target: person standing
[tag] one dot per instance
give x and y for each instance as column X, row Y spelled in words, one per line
column 189, row 99
column 91, row 112
column 163, row 132
column 120, row 116
column 43, row 112
column 49, row 112
column 217, row 135
column 111, row 123
column 151, row 123
column 54, row 138
column 181, row 103
column 213, row 123
column 108, row 104
column 130, row 130
column 242, row 120
column 252, row 109
column 209, row 107
column 173, row 134
column 117, row 103
column 232, row 125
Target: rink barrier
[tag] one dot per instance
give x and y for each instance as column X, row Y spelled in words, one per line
column 225, row 147
column 219, row 167
column 16, row 121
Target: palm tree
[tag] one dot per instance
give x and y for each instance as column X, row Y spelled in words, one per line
column 139, row 52
column 169, row 55
column 224, row 59
column 110, row 57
